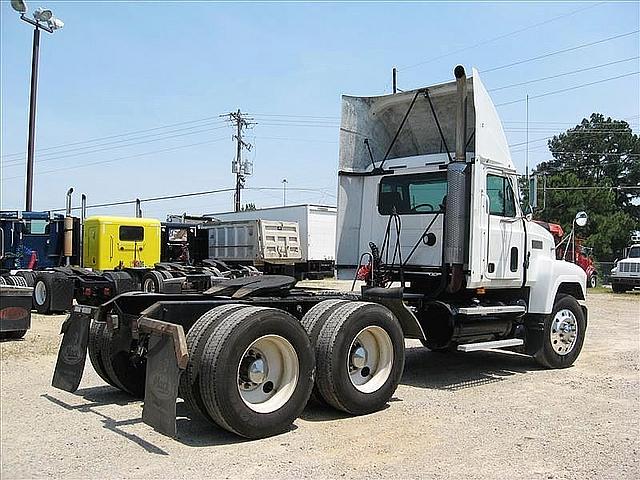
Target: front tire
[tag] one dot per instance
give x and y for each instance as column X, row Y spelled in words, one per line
column 151, row 282
column 360, row 355
column 42, row 291
column 563, row 334
column 617, row 288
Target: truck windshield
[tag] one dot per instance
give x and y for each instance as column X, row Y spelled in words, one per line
column 634, row 252
column 412, row 194
column 36, row 227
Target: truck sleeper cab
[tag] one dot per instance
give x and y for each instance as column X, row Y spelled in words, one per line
column 444, row 223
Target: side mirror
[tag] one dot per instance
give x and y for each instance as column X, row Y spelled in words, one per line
column 581, row 219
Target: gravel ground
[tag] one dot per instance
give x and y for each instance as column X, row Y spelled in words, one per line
column 476, row 415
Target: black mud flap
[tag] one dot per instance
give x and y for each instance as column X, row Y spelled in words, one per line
column 73, row 349
column 166, row 358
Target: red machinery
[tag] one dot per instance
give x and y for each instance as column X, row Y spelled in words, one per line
column 582, row 256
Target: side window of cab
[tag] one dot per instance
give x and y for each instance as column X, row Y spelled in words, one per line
column 501, row 198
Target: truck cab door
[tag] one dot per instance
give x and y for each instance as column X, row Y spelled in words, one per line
column 505, row 245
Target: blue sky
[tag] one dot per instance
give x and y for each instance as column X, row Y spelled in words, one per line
column 127, row 67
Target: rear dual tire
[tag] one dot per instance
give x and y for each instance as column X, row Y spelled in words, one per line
column 359, row 349
column 111, row 355
column 250, row 369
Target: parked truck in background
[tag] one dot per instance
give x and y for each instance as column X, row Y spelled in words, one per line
column 428, row 200
column 271, row 246
column 31, row 240
column 626, row 274
column 119, row 254
column 316, row 228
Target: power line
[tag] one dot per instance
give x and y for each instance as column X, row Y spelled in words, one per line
column 64, row 156
column 296, row 139
column 621, row 187
column 549, row 122
column 569, row 89
column 499, row 37
column 292, row 116
column 571, row 132
column 121, row 158
column 190, row 194
column 116, row 135
column 563, row 74
column 557, row 52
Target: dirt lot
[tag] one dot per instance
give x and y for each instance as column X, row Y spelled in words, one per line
column 477, row 415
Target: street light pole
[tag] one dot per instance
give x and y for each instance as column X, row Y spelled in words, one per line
column 43, row 20
column 31, row 145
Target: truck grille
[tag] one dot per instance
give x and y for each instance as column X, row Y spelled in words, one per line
column 630, row 268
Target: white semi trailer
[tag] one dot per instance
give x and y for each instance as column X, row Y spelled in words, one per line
column 428, row 200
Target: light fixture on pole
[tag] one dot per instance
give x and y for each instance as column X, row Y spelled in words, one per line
column 284, row 192
column 43, row 19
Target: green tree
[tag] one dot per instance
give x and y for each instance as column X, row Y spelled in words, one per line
column 603, row 153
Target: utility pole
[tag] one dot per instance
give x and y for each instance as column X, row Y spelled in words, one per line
column 239, row 167
column 526, row 155
column 394, row 80
column 284, row 192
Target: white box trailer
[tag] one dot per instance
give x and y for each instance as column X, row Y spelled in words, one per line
column 317, row 228
column 254, row 242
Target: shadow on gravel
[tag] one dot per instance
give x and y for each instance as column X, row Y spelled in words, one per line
column 457, row 371
column 316, row 412
column 101, row 398
column 196, row 431
column 192, row 430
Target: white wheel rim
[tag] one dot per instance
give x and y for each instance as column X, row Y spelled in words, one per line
column 370, row 359
column 40, row 292
column 268, row 373
column 149, row 286
column 564, row 332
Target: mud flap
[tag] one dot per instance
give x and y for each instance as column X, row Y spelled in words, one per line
column 73, row 349
column 166, row 358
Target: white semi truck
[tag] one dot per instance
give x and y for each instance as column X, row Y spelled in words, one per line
column 626, row 274
column 428, row 216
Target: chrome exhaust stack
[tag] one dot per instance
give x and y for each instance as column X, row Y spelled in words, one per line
column 457, row 203
column 83, row 217
column 68, row 230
